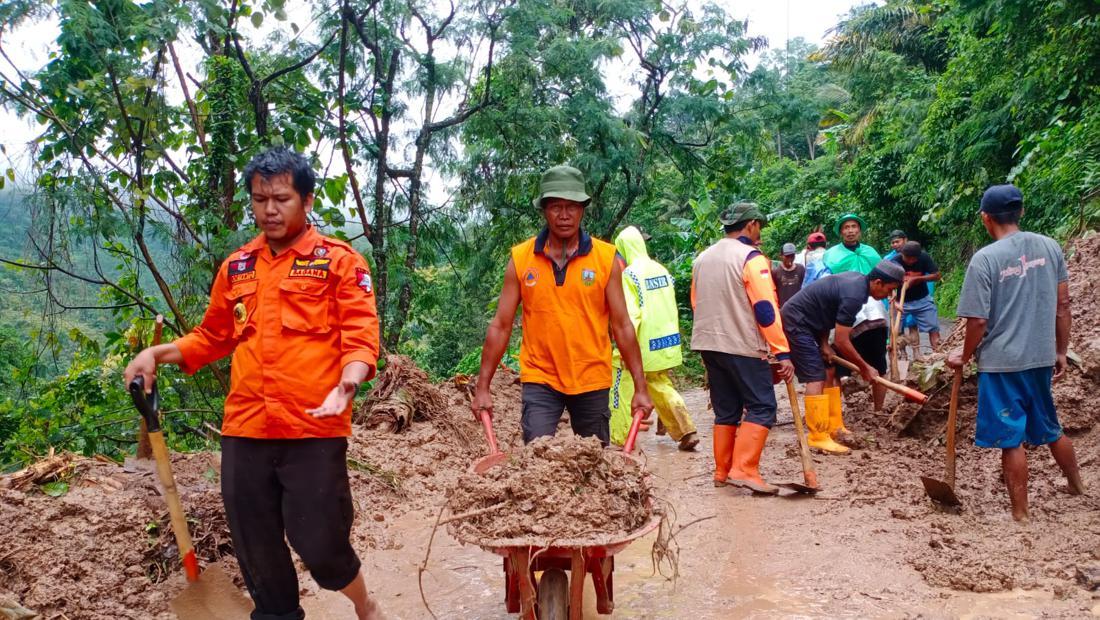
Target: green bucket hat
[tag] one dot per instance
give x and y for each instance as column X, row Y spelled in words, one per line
column 743, row 211
column 849, row 216
column 562, row 182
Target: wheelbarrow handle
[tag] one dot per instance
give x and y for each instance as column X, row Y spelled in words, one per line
column 635, row 425
column 487, row 426
column 147, row 405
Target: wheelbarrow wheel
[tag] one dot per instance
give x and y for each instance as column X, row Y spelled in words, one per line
column 554, row 595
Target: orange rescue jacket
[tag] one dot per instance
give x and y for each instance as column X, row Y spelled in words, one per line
column 292, row 322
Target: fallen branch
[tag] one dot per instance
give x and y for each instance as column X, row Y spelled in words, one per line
column 423, row 568
column 472, row 513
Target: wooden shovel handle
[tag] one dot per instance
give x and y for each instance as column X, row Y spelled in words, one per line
column 905, row 391
column 952, row 411
column 808, row 473
column 175, row 508
column 150, row 415
column 144, row 449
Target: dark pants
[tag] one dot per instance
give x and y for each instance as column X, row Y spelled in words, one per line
column 871, row 346
column 589, row 413
column 739, row 383
column 297, row 488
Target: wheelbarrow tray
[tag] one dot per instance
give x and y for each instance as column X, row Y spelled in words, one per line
column 590, row 555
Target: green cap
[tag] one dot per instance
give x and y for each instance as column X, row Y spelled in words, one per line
column 849, row 216
column 742, row 212
column 562, row 182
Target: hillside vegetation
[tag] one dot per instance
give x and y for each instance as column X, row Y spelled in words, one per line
column 430, row 127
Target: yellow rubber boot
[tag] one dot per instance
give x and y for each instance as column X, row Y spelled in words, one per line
column 746, row 459
column 725, row 436
column 836, row 416
column 817, row 421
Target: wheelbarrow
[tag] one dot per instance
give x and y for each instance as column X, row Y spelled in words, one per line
column 558, row 594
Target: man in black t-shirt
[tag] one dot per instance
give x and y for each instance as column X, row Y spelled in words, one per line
column 788, row 275
column 831, row 303
column 920, row 269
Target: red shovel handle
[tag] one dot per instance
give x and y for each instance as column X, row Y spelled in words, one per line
column 909, row 393
column 632, row 436
column 487, row 426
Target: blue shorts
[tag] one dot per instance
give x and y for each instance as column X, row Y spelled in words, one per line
column 806, row 356
column 1016, row 407
column 922, row 313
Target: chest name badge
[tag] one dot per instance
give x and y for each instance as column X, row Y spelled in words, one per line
column 241, row 270
column 316, row 268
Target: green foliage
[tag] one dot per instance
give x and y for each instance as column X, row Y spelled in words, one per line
column 905, row 116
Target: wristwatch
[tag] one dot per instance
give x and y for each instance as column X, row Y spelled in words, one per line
column 350, row 385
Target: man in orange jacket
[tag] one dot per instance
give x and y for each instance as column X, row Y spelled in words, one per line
column 737, row 324
column 571, row 288
column 297, row 312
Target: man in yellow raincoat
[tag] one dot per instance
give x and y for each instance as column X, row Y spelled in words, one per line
column 651, row 302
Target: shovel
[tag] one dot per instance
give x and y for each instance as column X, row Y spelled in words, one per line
column 495, row 456
column 212, row 595
column 896, row 319
column 944, row 491
column 910, row 394
column 808, row 473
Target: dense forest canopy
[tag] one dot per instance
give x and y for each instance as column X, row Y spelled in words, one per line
column 429, row 123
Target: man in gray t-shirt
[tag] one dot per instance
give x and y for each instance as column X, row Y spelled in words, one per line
column 1015, row 299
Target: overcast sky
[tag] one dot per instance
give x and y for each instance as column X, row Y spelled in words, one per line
column 776, row 20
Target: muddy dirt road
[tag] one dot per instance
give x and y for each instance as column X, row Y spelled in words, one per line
column 849, row 552
column 870, row 545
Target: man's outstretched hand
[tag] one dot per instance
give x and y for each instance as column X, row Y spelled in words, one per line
column 336, row 402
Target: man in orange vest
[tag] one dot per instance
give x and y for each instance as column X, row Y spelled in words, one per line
column 571, row 288
column 296, row 310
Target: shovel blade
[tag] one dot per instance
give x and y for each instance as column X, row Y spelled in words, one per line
column 486, row 463
column 939, row 491
column 212, row 597
column 798, row 487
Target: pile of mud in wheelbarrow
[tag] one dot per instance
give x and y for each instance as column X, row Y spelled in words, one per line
column 557, row 511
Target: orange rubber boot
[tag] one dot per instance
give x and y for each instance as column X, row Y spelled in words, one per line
column 725, row 436
column 746, row 459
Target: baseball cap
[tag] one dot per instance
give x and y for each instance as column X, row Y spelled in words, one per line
column 741, row 212
column 816, row 237
column 789, row 249
column 1002, row 199
column 562, row 182
column 898, row 234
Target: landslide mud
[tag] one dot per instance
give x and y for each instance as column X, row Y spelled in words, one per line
column 554, row 489
column 870, row 544
column 980, row 548
column 105, row 549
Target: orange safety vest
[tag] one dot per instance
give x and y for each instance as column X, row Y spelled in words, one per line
column 566, row 344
